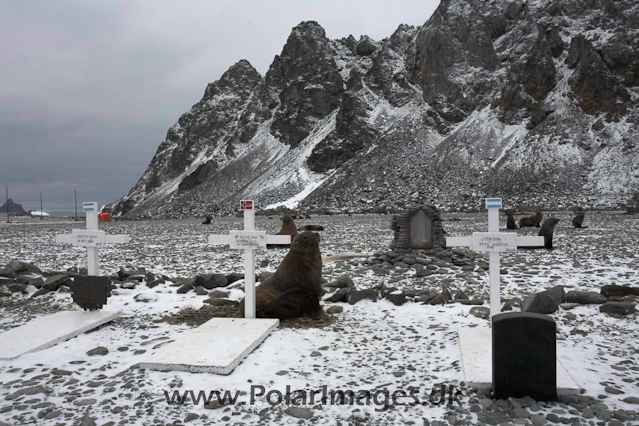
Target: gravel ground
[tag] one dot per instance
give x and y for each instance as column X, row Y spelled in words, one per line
column 371, row 346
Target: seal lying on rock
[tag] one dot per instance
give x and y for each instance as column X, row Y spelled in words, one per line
column 547, row 230
column 578, row 220
column 208, row 220
column 295, row 289
column 534, row 220
column 288, row 228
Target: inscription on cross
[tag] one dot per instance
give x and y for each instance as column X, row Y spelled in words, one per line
column 91, row 238
column 494, row 242
column 249, row 240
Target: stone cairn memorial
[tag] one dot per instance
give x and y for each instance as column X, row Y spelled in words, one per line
column 418, row 244
column 418, row 236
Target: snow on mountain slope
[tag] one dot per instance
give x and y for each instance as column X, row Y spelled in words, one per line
column 533, row 101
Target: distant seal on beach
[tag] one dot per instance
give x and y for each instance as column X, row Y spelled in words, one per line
column 510, row 221
column 547, row 230
column 295, row 289
column 534, row 220
column 208, row 220
column 578, row 220
column 288, row 228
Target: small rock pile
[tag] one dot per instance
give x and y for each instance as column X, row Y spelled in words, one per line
column 344, row 290
column 17, row 277
column 614, row 300
column 426, row 262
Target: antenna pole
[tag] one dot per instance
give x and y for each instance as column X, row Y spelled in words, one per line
column 8, row 211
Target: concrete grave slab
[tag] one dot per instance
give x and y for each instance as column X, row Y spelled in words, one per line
column 217, row 346
column 45, row 332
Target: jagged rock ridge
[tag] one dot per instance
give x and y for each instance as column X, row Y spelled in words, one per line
column 15, row 209
column 534, row 101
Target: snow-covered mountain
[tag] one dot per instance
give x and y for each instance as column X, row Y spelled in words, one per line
column 534, row 101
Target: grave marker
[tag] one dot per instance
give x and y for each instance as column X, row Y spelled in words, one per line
column 219, row 345
column 483, row 352
column 524, row 356
column 494, row 242
column 44, row 332
column 249, row 240
column 91, row 238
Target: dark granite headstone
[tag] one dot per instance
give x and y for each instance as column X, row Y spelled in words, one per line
column 91, row 292
column 524, row 356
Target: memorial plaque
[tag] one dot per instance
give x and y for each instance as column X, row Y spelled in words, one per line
column 91, row 292
column 248, row 239
column 421, row 231
column 495, row 242
column 88, row 238
column 524, row 356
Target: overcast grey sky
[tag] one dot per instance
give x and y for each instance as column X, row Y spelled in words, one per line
column 88, row 88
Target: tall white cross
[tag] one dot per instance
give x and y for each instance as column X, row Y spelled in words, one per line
column 249, row 240
column 494, row 242
column 91, row 238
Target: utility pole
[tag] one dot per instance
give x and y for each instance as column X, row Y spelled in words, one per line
column 41, row 218
column 75, row 191
column 8, row 212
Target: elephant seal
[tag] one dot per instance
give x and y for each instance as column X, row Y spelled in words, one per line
column 510, row 221
column 208, row 220
column 534, row 220
column 578, row 220
column 288, row 228
column 547, row 230
column 295, row 289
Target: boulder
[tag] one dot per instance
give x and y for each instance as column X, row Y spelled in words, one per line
column 54, row 282
column 614, row 290
column 618, row 308
column 219, row 293
column 357, row 295
column 585, row 297
column 397, row 298
column 221, row 302
column 344, row 281
column 557, row 293
column 540, row 303
column 185, row 288
column 7, row 273
column 201, row 291
column 129, row 270
column 233, row 277
column 480, row 312
column 439, row 299
column 19, row 267
column 40, row 293
column 17, row 288
column 146, row 297
column 335, row 310
column 340, row 295
column 211, row 281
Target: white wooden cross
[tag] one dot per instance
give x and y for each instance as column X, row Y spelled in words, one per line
column 249, row 240
column 494, row 242
column 91, row 238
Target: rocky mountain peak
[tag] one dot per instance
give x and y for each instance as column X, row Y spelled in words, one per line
column 534, row 101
